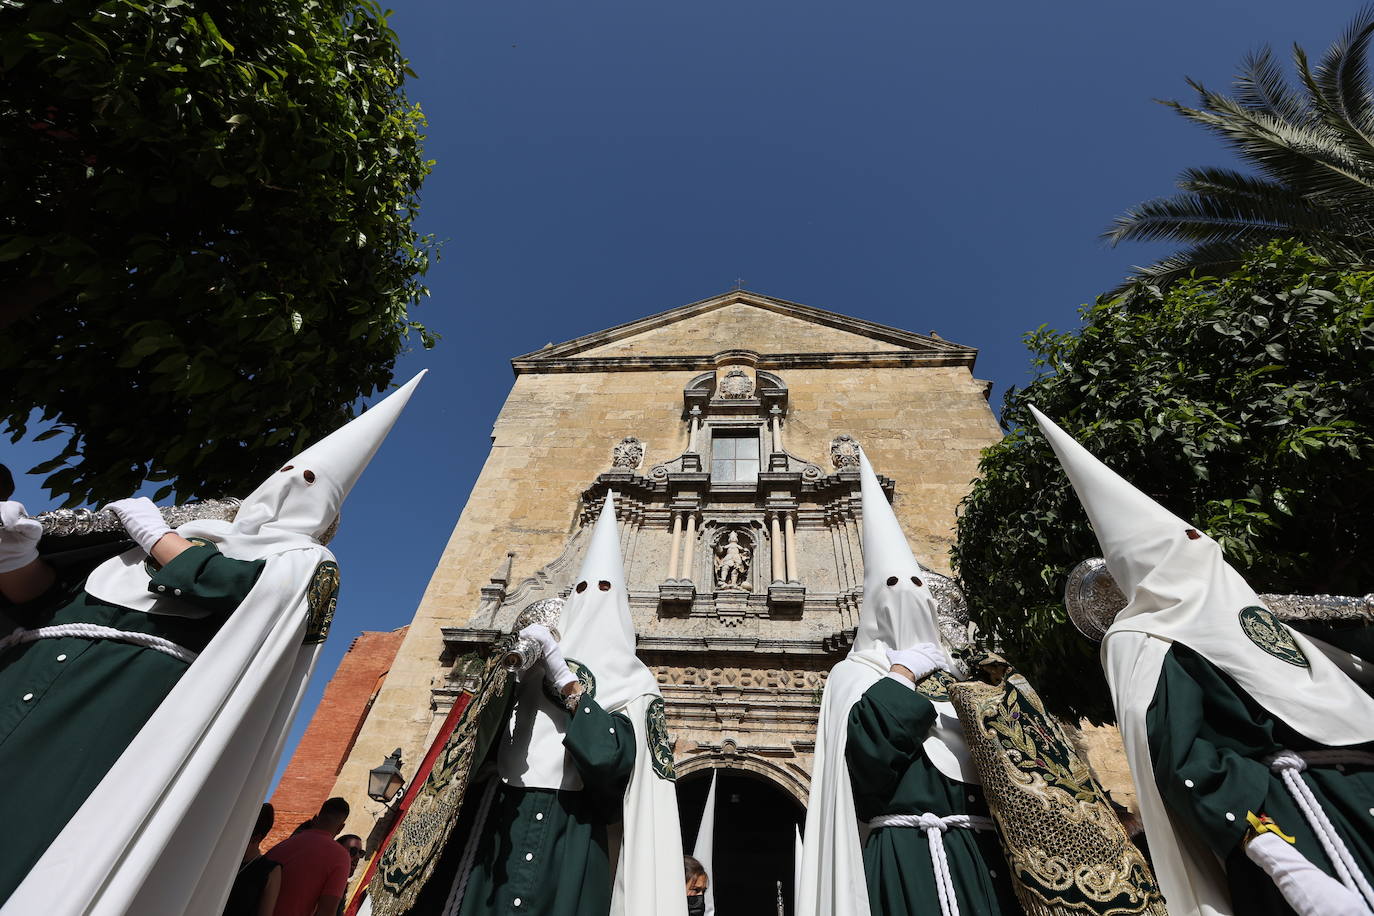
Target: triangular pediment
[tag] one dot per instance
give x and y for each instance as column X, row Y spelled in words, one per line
column 744, row 320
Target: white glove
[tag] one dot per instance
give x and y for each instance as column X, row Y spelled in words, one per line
column 1308, row 890
column 19, row 536
column 142, row 520
column 921, row 660
column 554, row 665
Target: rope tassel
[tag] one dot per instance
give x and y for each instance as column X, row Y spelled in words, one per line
column 1289, row 765
column 935, row 826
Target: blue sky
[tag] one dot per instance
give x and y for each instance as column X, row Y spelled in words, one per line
column 928, row 166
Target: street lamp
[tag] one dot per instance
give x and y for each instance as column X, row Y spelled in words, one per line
column 385, row 781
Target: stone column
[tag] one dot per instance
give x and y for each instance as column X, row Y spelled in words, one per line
column 687, row 546
column 675, row 552
column 779, row 573
column 776, row 414
column 791, row 541
column 694, row 427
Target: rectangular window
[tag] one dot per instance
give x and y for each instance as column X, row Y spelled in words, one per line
column 735, row 455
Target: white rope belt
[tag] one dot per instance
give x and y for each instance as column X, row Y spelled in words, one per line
column 1288, row 764
column 935, row 826
column 92, row 631
column 460, row 881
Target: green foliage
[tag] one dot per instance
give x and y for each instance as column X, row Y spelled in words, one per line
column 1313, row 146
column 207, row 248
column 1244, row 404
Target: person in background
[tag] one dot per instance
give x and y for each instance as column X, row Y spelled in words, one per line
column 259, row 879
column 354, row 845
column 697, row 882
column 314, row 868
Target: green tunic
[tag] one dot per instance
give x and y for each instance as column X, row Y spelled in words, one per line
column 70, row 706
column 544, row 852
column 1208, row 739
column 890, row 774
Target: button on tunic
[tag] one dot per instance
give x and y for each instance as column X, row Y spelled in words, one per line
column 544, row 852
column 1208, row 740
column 70, row 706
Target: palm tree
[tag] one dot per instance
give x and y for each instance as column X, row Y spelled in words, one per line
column 1313, row 146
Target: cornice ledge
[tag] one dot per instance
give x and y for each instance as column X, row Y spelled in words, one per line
column 854, row 360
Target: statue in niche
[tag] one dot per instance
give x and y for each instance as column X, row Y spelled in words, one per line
column 732, row 564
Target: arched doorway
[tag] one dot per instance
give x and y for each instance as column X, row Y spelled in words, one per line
column 755, row 838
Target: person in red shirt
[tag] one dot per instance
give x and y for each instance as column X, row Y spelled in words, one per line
column 314, row 868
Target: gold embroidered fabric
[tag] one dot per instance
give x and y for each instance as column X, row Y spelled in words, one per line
column 409, row 860
column 1066, row 847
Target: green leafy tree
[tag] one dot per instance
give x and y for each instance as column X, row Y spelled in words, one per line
column 1312, row 147
column 1243, row 404
column 207, row 242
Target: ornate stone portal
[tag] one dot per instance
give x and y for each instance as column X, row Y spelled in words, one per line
column 732, row 530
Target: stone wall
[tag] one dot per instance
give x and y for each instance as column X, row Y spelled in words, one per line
column 309, row 778
column 922, row 425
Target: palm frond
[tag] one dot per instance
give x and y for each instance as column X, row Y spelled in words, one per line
column 1262, row 86
column 1211, row 260
column 1311, row 143
column 1343, row 78
column 1313, row 156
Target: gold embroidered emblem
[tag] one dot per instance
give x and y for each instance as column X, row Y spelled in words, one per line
column 1270, row 634
column 321, row 598
column 660, row 743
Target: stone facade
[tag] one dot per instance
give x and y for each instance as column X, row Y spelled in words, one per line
column 741, row 656
column 327, row 742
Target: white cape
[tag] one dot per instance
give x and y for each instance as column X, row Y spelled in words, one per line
column 164, row 831
column 831, row 880
column 1189, row 875
column 703, row 850
column 648, row 864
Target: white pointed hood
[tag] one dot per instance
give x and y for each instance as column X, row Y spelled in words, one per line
column 598, row 641
column 898, row 609
column 596, row 625
column 291, row 509
column 704, row 848
column 303, row 498
column 830, row 878
column 598, row 637
column 1179, row 588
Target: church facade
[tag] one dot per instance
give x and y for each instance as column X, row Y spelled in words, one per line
column 728, row 430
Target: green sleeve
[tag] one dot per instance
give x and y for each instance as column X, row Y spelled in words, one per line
column 207, row 579
column 1198, row 729
column 602, row 747
column 886, row 728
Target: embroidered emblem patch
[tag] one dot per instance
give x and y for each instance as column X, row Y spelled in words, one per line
column 659, row 741
column 935, row 687
column 321, row 598
column 1268, row 632
column 584, row 675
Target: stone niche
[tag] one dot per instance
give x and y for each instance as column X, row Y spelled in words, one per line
column 744, row 569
